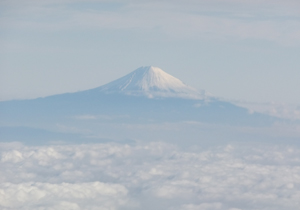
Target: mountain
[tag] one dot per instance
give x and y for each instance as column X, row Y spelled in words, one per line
column 145, row 97
column 151, row 82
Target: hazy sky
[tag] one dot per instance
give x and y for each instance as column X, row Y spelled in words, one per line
column 235, row 49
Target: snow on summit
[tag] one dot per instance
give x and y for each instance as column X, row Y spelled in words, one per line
column 151, row 82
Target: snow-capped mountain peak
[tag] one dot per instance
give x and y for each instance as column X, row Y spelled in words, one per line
column 151, row 82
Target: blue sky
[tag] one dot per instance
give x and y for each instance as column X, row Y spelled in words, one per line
column 243, row 50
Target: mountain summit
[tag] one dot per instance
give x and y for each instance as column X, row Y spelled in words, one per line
column 151, row 82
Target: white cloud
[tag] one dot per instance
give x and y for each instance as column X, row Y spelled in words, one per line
column 281, row 110
column 203, row 206
column 31, row 195
column 116, row 176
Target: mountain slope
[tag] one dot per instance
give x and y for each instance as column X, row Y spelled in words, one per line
column 167, row 100
column 146, row 98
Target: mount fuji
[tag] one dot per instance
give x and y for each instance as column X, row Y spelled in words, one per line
column 144, row 97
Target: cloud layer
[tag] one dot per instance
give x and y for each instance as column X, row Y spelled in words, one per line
column 149, row 176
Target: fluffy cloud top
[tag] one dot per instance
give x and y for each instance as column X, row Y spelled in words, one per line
column 36, row 195
column 149, row 176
